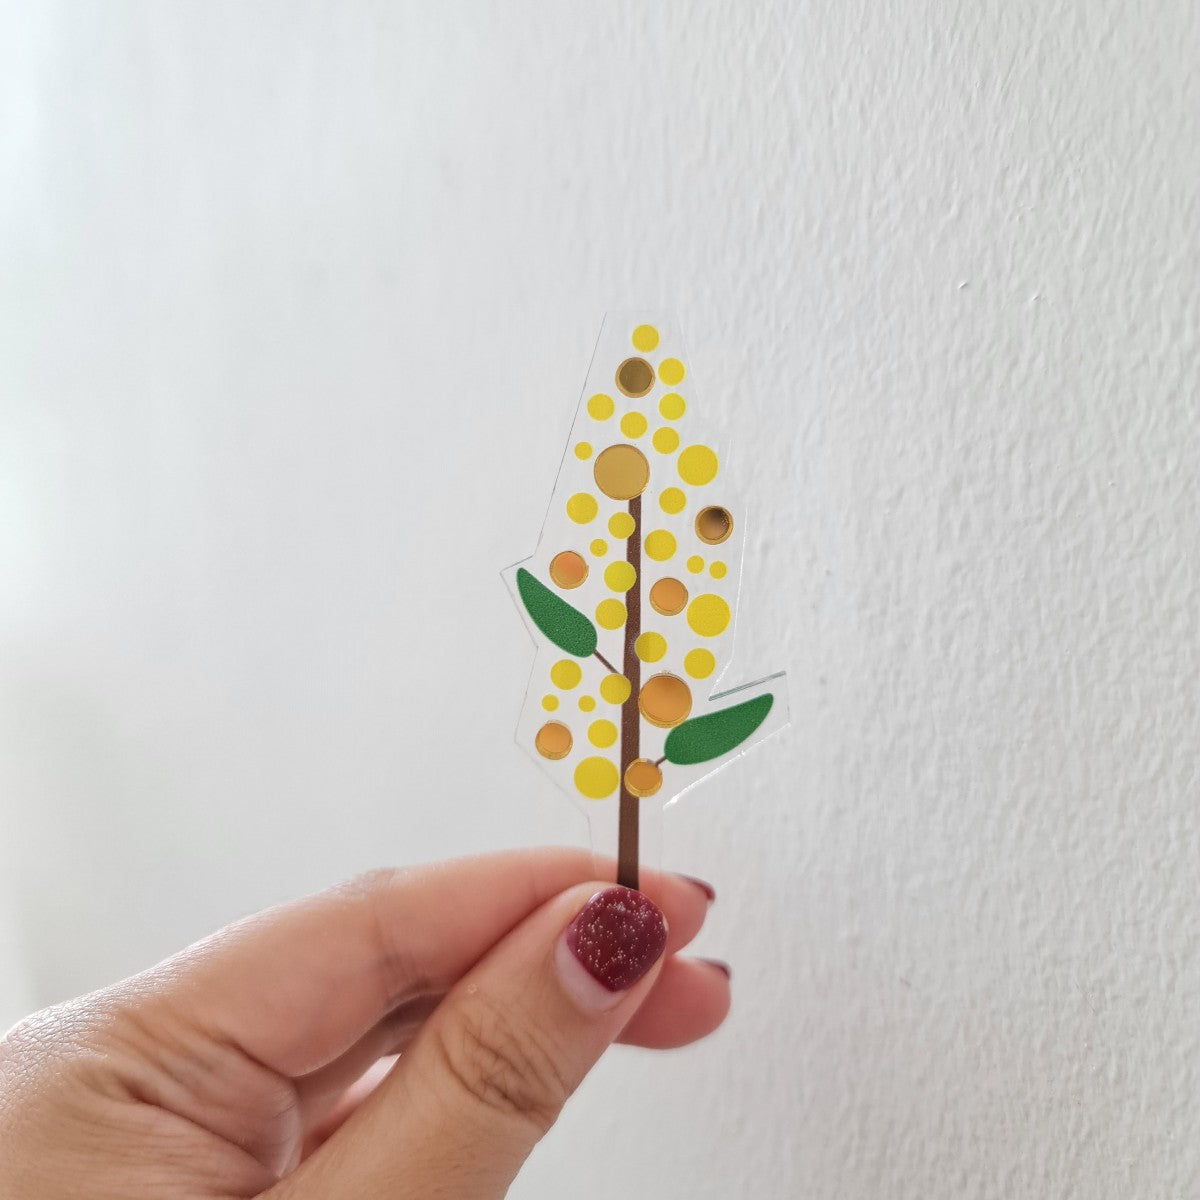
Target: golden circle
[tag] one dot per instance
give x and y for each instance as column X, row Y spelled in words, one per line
column 621, row 472
column 620, row 576
column 635, row 377
column 642, row 778
column 695, row 564
column 596, row 778
column 697, row 465
column 599, row 547
column 714, row 524
column 699, row 664
column 553, row 740
column 666, row 440
column 708, row 615
column 581, row 508
column 614, row 689
column 610, row 614
column 668, row 596
column 665, row 700
column 566, row 674
column 672, row 406
column 567, row 569
column 670, row 371
column 600, row 407
column 717, row 570
column 583, row 450
column 587, row 703
column 672, row 500
column 621, row 525
column 650, row 647
column 602, row 733
column 549, row 703
column 633, row 425
column 659, row 545
column 645, row 338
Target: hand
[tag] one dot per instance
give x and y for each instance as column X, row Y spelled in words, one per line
column 257, row 1061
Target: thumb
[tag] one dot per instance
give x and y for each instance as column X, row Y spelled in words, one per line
column 492, row 1067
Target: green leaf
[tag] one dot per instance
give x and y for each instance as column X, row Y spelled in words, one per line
column 713, row 735
column 565, row 626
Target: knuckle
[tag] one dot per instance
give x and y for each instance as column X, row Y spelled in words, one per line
column 496, row 1062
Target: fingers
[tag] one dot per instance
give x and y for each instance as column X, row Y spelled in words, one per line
column 689, row 1000
column 490, row 1070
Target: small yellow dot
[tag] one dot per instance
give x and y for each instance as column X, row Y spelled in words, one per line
column 633, row 425
column 583, row 450
column 672, row 406
column 602, row 733
column 549, row 703
column 596, row 778
column 708, row 615
column 699, row 664
column 565, row 674
column 613, row 688
column 660, row 545
column 695, row 564
column 610, row 614
column 587, row 703
column 620, row 525
column 620, row 576
column 665, row 440
column 650, row 647
column 717, row 570
column 581, row 508
column 599, row 547
column 697, row 465
column 645, row 338
column 670, row 371
column 672, row 500
column 600, row 407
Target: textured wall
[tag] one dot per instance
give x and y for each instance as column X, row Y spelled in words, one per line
column 296, row 303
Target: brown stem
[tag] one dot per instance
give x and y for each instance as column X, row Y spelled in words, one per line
column 627, row 830
column 606, row 662
column 658, row 762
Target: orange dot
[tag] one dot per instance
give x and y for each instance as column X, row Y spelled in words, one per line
column 567, row 569
column 668, row 596
column 553, row 740
column 642, row 777
column 714, row 524
column 665, row 700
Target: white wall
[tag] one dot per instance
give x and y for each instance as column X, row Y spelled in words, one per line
column 296, row 303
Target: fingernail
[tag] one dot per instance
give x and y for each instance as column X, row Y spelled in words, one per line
column 723, row 967
column 617, row 937
column 706, row 887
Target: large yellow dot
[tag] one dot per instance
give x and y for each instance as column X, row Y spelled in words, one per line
column 621, row 472
column 581, row 508
column 614, row 688
column 587, row 703
column 565, row 673
column 633, row 425
column 665, row 700
column 621, row 524
column 549, row 703
column 553, row 740
column 596, row 778
column 602, row 733
column 650, row 647
column 699, row 664
column 599, row 547
column 695, row 564
column 666, row 440
column 672, row 500
column 583, row 450
column 660, row 545
column 670, row 371
column 672, row 406
column 645, row 338
column 610, row 614
column 620, row 576
column 697, row 465
column 708, row 615
column 567, row 569
column 600, row 407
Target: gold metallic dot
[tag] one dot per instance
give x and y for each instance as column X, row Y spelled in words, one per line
column 665, row 700
column 635, row 377
column 553, row 740
column 668, row 596
column 642, row 778
column 621, row 472
column 567, row 569
column 713, row 524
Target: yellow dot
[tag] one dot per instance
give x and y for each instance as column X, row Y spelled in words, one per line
column 600, row 407
column 565, row 673
column 672, row 500
column 717, row 570
column 699, row 664
column 587, row 703
column 602, row 733
column 650, row 647
column 645, row 338
column 583, row 450
column 610, row 614
column 633, row 425
column 613, row 688
column 596, row 778
column 670, row 371
column 660, row 545
column 708, row 615
column 697, row 465
column 665, row 440
column 549, row 703
column 695, row 564
column 599, row 547
column 672, row 406
column 581, row 508
column 620, row 576
column 620, row 525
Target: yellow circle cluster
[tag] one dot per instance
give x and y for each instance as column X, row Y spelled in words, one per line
column 582, row 508
column 699, row 664
column 708, row 615
column 600, row 407
column 596, row 778
column 614, row 689
column 650, row 647
column 672, row 500
column 610, row 614
column 565, row 674
column 620, row 576
column 697, row 465
column 660, row 545
column 645, row 338
column 633, row 425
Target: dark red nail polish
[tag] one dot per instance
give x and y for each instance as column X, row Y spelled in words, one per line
column 618, row 936
column 723, row 967
column 706, row 887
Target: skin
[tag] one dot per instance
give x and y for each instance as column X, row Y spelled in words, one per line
column 262, row 1060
